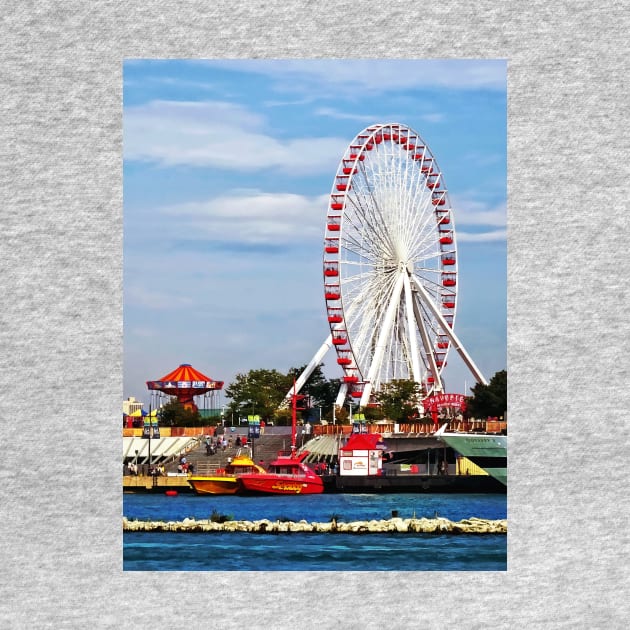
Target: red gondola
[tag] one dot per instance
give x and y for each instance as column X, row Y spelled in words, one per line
column 334, row 315
column 332, row 246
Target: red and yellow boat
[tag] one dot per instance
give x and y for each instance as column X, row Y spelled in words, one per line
column 225, row 480
column 287, row 474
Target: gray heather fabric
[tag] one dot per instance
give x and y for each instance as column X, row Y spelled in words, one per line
column 61, row 330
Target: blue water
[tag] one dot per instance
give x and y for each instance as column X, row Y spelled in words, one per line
column 171, row 551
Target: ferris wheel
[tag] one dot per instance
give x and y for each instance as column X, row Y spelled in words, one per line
column 390, row 265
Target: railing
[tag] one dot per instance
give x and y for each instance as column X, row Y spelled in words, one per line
column 489, row 426
column 207, row 468
column 416, row 428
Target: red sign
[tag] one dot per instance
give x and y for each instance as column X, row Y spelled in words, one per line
column 438, row 401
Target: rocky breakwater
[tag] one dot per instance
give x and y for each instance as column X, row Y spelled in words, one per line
column 406, row 526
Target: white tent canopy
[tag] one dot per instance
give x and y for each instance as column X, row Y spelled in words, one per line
column 161, row 448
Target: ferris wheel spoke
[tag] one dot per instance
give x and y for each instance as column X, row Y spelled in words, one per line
column 362, row 249
column 363, row 221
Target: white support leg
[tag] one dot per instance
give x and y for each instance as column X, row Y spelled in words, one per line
column 341, row 396
column 437, row 386
column 457, row 344
column 308, row 370
column 413, row 339
column 381, row 344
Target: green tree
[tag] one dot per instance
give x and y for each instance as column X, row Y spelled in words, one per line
column 174, row 414
column 284, row 417
column 342, row 415
column 488, row 400
column 259, row 392
column 373, row 414
column 400, row 399
column 321, row 392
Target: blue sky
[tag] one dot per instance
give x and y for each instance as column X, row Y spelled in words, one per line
column 228, row 165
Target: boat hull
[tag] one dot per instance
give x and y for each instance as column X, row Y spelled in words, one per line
column 214, row 485
column 224, row 481
column 280, row 484
column 489, row 452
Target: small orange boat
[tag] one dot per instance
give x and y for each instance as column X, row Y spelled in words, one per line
column 224, row 480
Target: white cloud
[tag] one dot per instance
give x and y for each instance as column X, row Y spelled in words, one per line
column 253, row 217
column 330, row 112
column 374, row 75
column 175, row 82
column 333, row 113
column 307, row 100
column 433, row 118
column 473, row 212
column 482, row 237
column 470, row 212
column 157, row 300
column 222, row 135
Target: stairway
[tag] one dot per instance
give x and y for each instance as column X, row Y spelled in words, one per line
column 266, row 448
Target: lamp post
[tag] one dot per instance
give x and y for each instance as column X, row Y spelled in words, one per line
column 149, row 432
column 334, row 419
column 350, row 405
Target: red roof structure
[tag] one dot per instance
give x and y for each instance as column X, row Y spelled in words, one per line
column 185, row 383
column 364, row 442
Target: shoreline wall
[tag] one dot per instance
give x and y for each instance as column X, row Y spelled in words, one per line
column 416, row 526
